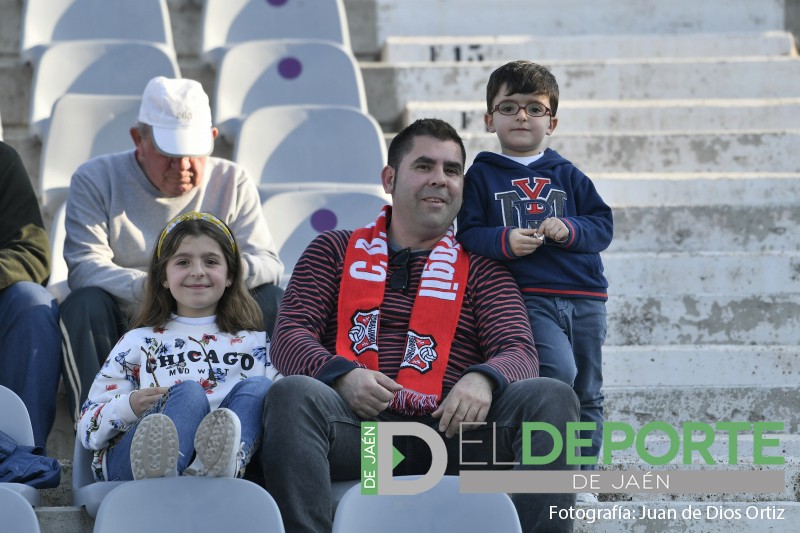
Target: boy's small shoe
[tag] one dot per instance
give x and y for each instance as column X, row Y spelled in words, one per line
column 586, row 497
column 154, row 449
column 216, row 445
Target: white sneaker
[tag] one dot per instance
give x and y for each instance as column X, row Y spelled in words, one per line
column 154, row 449
column 586, row 497
column 216, row 445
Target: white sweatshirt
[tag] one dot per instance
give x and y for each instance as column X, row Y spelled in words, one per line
column 184, row 349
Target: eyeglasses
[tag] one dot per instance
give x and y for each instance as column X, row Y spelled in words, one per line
column 512, row 108
column 399, row 280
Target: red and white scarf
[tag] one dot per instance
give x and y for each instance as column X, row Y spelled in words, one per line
column 434, row 317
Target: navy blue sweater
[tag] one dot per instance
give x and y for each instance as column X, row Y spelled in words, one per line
column 501, row 194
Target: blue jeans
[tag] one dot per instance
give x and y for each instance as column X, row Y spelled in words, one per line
column 186, row 405
column 30, row 352
column 569, row 334
column 311, row 436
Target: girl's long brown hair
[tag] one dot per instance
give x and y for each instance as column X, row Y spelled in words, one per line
column 237, row 310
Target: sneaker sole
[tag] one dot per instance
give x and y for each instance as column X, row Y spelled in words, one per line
column 217, row 443
column 154, row 450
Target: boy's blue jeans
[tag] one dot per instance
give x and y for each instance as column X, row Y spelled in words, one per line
column 569, row 334
column 186, row 404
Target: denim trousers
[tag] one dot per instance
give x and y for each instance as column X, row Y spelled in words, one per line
column 30, row 352
column 311, row 437
column 186, row 405
column 93, row 323
column 569, row 334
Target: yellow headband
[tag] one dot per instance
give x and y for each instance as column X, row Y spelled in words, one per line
column 194, row 215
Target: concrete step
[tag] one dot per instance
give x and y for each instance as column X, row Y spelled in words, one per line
column 657, row 151
column 678, row 404
column 64, row 520
column 61, row 441
column 389, row 87
column 690, row 190
column 581, row 116
column 769, row 319
column 10, row 25
column 700, row 365
column 737, row 273
column 62, row 495
column 567, row 17
column 404, row 49
column 15, row 83
column 688, row 517
column 741, row 227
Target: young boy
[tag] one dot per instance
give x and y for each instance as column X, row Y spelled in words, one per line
column 535, row 210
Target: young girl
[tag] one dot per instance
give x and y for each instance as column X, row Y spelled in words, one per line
column 182, row 392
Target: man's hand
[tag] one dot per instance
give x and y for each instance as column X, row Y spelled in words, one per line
column 367, row 392
column 524, row 241
column 141, row 400
column 469, row 401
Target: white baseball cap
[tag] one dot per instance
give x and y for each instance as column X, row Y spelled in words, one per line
column 180, row 115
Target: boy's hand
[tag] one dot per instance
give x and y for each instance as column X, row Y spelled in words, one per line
column 554, row 229
column 524, row 241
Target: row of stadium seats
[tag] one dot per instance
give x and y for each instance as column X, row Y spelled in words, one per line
column 116, row 47
column 223, row 23
column 293, row 109
column 251, row 75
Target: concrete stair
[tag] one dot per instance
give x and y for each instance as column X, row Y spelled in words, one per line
column 403, row 49
column 671, row 151
column 751, row 226
column 383, row 19
column 687, row 365
column 660, row 78
column 577, row 116
column 684, row 115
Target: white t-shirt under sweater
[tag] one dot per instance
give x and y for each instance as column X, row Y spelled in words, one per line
column 184, row 349
column 115, row 216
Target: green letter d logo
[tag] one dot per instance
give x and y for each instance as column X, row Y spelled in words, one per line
column 386, row 458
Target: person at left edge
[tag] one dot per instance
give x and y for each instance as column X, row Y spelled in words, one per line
column 30, row 340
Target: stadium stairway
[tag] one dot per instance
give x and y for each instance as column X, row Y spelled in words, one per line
column 684, row 114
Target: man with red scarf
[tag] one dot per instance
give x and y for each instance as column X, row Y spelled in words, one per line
column 397, row 322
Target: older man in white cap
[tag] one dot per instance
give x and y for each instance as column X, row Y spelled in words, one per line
column 118, row 205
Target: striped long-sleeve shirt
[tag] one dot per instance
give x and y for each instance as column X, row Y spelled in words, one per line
column 493, row 335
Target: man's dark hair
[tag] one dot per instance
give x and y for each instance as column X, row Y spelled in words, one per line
column 433, row 127
column 523, row 77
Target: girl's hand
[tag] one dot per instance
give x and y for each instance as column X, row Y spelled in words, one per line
column 141, row 400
